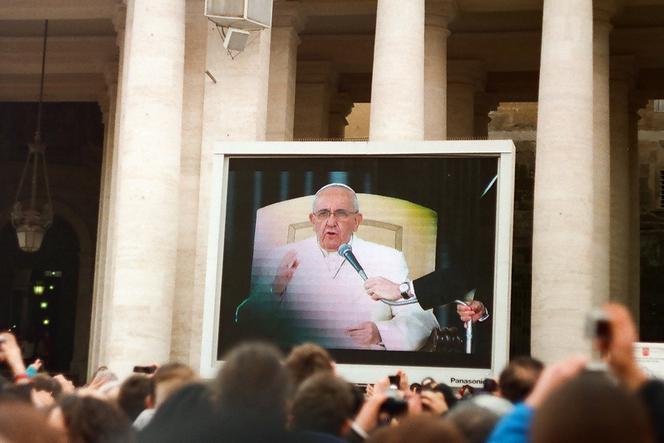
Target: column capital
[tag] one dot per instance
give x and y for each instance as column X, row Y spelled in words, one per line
column 341, row 103
column 440, row 12
column 119, row 18
column 488, row 101
column 316, row 72
column 467, row 72
column 288, row 14
column 119, row 21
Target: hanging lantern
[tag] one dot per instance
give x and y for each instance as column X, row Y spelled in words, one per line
column 32, row 216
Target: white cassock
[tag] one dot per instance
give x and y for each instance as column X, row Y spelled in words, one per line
column 326, row 296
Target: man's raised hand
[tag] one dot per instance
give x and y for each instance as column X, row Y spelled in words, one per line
column 285, row 271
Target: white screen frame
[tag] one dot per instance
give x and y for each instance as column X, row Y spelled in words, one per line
column 503, row 150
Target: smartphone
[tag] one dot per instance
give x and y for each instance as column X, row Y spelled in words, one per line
column 145, row 369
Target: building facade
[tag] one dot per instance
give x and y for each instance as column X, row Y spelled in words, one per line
column 138, row 92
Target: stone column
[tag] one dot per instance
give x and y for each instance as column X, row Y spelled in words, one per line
column 438, row 14
column 601, row 149
column 397, row 85
column 287, row 22
column 101, row 298
column 621, row 83
column 484, row 104
column 634, row 302
column 464, row 79
column 340, row 106
column 316, row 84
column 563, row 205
column 190, row 163
column 234, row 109
column 146, row 214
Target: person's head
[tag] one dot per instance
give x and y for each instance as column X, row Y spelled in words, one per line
column 89, row 419
column 447, row 391
column 591, row 407
column 44, row 382
column 306, row 360
column 134, row 395
column 323, row 403
column 518, row 378
column 335, row 215
column 22, row 423
column 421, row 429
column 187, row 416
column 476, row 417
column 253, row 386
column 489, row 385
column 168, row 379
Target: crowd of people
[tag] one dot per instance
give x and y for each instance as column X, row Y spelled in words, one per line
column 260, row 395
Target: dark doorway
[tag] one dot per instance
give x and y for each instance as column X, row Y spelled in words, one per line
column 38, row 294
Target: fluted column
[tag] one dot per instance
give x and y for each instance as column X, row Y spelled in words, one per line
column 438, row 14
column 563, row 205
column 146, row 221
column 601, row 148
column 464, row 79
column 397, row 85
column 621, row 83
column 316, row 84
column 287, row 22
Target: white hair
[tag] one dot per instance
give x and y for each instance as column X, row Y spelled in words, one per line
column 356, row 204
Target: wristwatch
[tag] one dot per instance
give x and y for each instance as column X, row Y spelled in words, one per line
column 404, row 288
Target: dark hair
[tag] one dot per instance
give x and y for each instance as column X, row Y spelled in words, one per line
column 591, row 407
column 20, row 423
column 489, row 385
column 323, row 403
column 519, row 377
column 91, row 420
column 420, row 429
column 44, row 382
column 176, row 372
column 306, row 360
column 187, row 415
column 133, row 394
column 252, row 389
column 476, row 417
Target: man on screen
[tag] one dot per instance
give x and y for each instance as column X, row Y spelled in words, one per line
column 316, row 295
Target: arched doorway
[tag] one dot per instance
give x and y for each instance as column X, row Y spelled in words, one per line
column 39, row 295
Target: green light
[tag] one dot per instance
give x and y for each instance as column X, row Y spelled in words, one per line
column 38, row 289
column 51, row 287
column 43, row 305
column 46, row 322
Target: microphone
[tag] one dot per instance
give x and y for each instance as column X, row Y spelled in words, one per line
column 347, row 252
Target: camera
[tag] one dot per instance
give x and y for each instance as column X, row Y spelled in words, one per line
column 395, row 403
column 598, row 327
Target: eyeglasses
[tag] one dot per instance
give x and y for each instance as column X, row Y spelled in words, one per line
column 339, row 214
